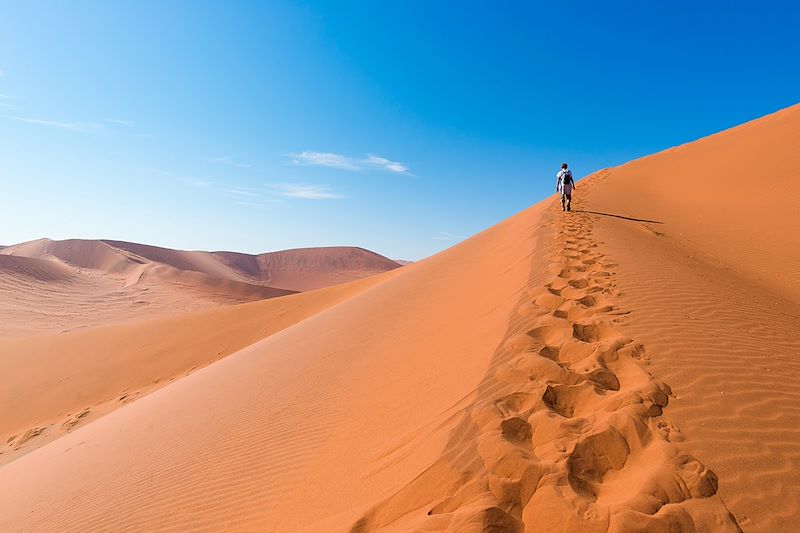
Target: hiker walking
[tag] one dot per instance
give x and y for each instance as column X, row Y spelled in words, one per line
column 565, row 185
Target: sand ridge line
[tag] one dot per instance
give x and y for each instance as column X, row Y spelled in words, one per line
column 567, row 429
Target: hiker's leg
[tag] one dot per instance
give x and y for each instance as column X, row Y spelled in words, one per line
column 569, row 202
column 563, row 199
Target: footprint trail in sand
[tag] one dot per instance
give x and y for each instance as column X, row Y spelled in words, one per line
column 567, row 432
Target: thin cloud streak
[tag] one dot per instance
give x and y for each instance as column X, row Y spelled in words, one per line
column 324, row 159
column 241, row 192
column 198, row 183
column 71, row 126
column 229, row 160
column 192, row 181
column 4, row 102
column 385, row 164
column 343, row 162
column 246, row 203
column 306, row 192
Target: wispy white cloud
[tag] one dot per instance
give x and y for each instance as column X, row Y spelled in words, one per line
column 245, row 196
column 324, row 159
column 119, row 121
column 247, row 203
column 4, row 102
column 72, row 126
column 445, row 236
column 241, row 192
column 229, row 160
column 343, row 162
column 305, row 191
column 385, row 164
column 192, row 181
column 199, row 183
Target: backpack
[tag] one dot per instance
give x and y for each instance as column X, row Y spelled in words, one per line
column 567, row 177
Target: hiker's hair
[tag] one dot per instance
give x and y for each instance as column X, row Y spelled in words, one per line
column 563, row 165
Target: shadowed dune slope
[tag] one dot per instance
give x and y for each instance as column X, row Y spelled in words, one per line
column 714, row 284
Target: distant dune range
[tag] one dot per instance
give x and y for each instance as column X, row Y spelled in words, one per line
column 50, row 285
column 630, row 366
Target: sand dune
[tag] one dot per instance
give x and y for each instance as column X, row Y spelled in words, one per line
column 39, row 296
column 349, row 406
column 59, row 381
column 305, row 269
column 297, row 270
column 714, row 282
column 48, row 285
column 626, row 367
column 22, row 268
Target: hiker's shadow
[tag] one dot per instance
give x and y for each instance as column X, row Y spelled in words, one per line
column 617, row 216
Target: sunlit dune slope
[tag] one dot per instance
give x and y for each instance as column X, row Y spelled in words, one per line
column 709, row 261
column 49, row 384
column 731, row 197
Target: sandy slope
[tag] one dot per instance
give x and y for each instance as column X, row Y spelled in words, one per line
column 558, row 372
column 714, row 283
column 423, row 381
column 50, row 384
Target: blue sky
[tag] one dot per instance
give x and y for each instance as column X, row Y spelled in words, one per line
column 401, row 127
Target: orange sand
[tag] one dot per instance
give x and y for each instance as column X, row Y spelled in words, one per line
column 629, row 366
